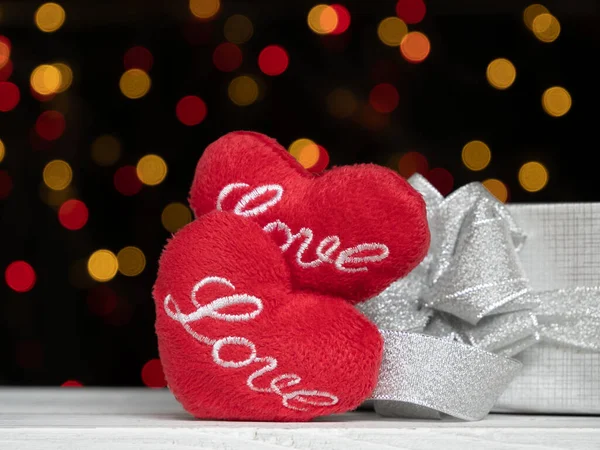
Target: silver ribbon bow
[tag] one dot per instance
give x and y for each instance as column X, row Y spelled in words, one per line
column 452, row 324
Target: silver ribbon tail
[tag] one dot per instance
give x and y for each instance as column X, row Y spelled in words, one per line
column 423, row 376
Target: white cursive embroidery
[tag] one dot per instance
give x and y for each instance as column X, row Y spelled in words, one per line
column 325, row 249
column 305, row 396
column 240, row 207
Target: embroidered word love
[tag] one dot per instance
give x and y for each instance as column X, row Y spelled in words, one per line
column 213, row 310
column 249, row 205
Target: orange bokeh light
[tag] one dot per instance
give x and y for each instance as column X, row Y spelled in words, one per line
column 415, row 47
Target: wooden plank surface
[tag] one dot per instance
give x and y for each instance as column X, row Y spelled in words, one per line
column 127, row 419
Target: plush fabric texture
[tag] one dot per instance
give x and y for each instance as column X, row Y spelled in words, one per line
column 327, row 354
column 368, row 226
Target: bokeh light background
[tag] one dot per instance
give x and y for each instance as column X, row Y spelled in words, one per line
column 105, row 107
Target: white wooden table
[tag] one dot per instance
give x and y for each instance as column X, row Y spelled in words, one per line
column 126, row 419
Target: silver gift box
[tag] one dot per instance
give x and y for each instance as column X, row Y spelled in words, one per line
column 562, row 250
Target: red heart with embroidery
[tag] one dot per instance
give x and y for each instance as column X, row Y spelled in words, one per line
column 238, row 343
column 348, row 232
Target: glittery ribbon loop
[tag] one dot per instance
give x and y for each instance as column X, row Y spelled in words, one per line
column 470, row 289
column 470, row 280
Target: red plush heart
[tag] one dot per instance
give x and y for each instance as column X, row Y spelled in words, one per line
column 348, row 232
column 237, row 342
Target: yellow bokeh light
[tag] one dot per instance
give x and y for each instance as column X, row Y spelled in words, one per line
column 174, row 216
column 106, row 150
column 131, row 261
column 66, row 76
column 204, row 9
column 102, row 265
column 46, row 79
column 476, row 155
column 57, row 175
column 501, row 73
column 533, row 176
column 391, row 31
column 238, row 29
column 322, row 19
column 49, row 17
column 556, row 101
column 546, row 27
column 243, row 90
column 135, row 83
column 296, row 147
column 531, row 12
column 341, row 103
column 305, row 151
column 151, row 170
column 2, row 150
column 497, row 188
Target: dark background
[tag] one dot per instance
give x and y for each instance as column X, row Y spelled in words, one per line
column 50, row 334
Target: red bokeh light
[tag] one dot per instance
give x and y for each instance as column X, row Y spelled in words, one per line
column 20, row 276
column 411, row 11
column 153, row 375
column 6, row 184
column 273, row 60
column 9, row 96
column 441, row 179
column 73, row 214
column 138, row 58
column 6, row 70
column 384, row 98
column 126, row 180
column 411, row 163
column 343, row 16
column 50, row 125
column 322, row 162
column 101, row 300
column 72, row 383
column 227, row 57
column 190, row 110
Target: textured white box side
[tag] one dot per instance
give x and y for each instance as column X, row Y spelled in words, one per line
column 562, row 250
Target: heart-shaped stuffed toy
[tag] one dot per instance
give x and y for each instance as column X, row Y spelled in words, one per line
column 238, row 342
column 349, row 232
column 254, row 299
